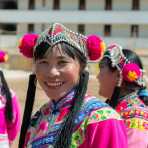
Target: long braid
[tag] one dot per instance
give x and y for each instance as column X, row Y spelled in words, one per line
column 64, row 139
column 30, row 98
column 6, row 92
column 115, row 96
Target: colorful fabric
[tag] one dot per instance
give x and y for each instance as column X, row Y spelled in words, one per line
column 94, row 115
column 135, row 113
column 8, row 131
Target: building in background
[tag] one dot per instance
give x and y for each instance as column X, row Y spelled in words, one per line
column 121, row 21
column 125, row 22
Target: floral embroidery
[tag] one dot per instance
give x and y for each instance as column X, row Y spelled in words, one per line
column 134, row 111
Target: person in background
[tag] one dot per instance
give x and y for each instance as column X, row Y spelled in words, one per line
column 121, row 80
column 9, row 110
column 71, row 118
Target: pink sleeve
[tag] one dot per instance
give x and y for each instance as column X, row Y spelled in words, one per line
column 14, row 127
column 109, row 133
column 137, row 138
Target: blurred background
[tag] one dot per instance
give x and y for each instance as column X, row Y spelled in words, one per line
column 121, row 21
column 124, row 22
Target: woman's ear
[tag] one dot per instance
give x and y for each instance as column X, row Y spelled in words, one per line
column 83, row 67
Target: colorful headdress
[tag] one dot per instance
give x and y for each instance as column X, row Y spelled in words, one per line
column 3, row 56
column 90, row 46
column 129, row 71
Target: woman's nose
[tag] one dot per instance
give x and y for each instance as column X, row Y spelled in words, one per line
column 53, row 71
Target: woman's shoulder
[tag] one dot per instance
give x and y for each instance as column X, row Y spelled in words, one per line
column 99, row 110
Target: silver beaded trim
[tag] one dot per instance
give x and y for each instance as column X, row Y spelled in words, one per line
column 67, row 36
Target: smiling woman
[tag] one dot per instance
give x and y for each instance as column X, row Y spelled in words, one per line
column 71, row 118
column 57, row 72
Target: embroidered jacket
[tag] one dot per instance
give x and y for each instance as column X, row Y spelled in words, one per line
column 98, row 125
column 135, row 114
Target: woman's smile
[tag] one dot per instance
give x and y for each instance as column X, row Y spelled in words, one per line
column 53, row 85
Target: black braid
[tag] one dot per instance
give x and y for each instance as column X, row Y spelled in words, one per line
column 114, row 98
column 64, row 139
column 6, row 92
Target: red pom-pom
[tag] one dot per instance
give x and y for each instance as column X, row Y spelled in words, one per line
column 131, row 72
column 3, row 56
column 95, row 47
column 27, row 43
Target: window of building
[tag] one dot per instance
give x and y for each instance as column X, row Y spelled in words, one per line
column 82, row 4
column 81, row 28
column 31, row 4
column 135, row 5
column 56, row 4
column 8, row 5
column 134, row 31
column 9, row 28
column 107, row 30
column 43, row 3
column 30, row 28
column 108, row 4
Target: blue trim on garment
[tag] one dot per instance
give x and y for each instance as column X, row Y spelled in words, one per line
column 143, row 93
column 88, row 107
column 49, row 139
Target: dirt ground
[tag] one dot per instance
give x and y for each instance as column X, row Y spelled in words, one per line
column 19, row 85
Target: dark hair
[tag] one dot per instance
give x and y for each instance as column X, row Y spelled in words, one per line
column 130, row 87
column 68, row 126
column 41, row 50
column 7, row 94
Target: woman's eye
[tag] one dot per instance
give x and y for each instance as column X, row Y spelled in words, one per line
column 62, row 62
column 42, row 62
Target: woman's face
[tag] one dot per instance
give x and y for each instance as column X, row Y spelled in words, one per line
column 57, row 73
column 107, row 80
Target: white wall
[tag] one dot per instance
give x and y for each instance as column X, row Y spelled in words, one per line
column 120, row 30
column 144, row 5
column 143, row 31
column 23, row 5
column 122, row 5
column 72, row 27
column 94, row 5
column 39, row 5
column 94, row 29
column 69, row 4
column 132, row 43
column 22, row 28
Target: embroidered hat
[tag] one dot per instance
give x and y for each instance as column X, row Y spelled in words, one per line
column 91, row 46
column 129, row 71
column 3, row 56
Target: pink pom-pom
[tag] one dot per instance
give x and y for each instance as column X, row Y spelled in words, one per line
column 27, row 43
column 3, row 56
column 131, row 72
column 95, row 47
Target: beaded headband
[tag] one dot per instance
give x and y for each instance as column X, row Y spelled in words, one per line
column 91, row 46
column 129, row 71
